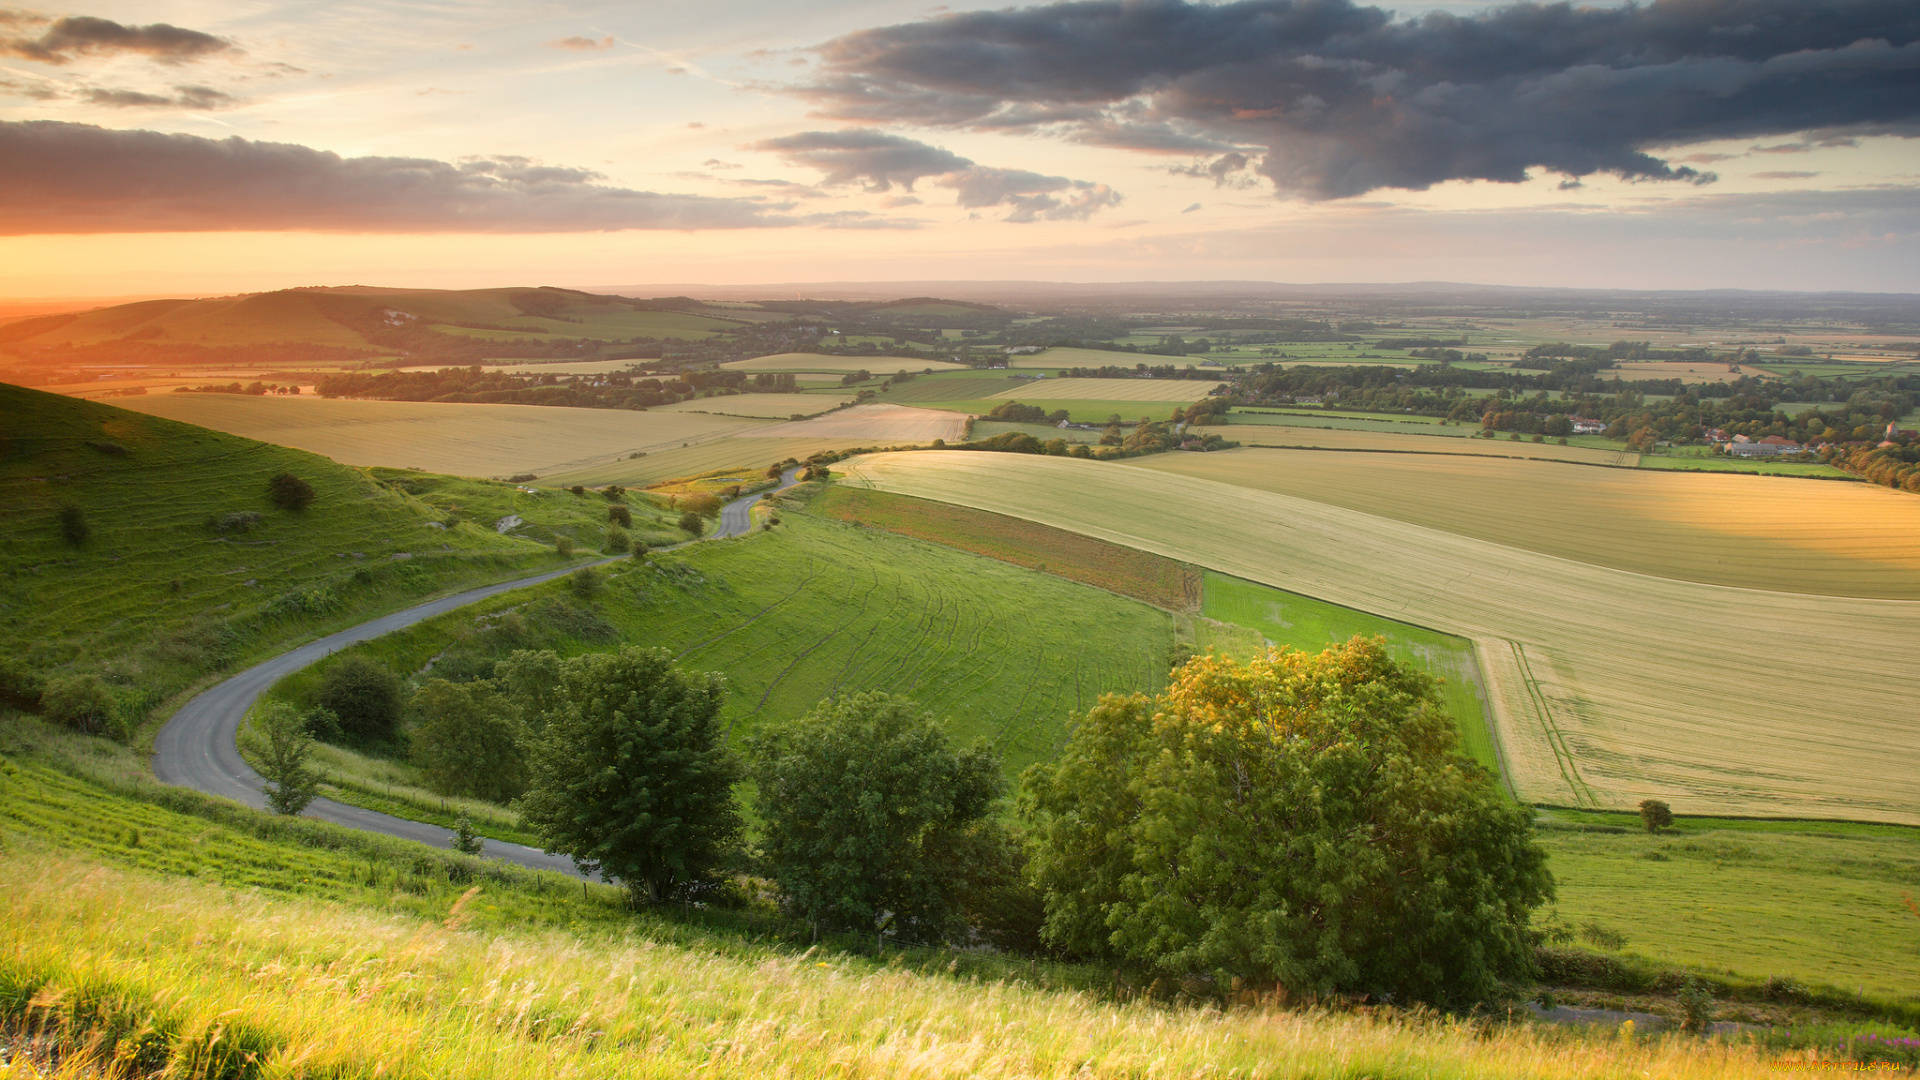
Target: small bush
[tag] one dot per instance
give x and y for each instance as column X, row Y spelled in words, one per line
column 365, row 696
column 1602, row 937
column 289, row 492
column 585, row 582
column 113, row 448
column 1655, row 815
column 239, row 521
column 522, row 478
column 703, row 504
column 613, row 492
column 1696, row 1007
column 73, row 526
column 563, row 545
column 618, row 542
column 81, row 702
column 578, row 489
column 693, row 523
column 621, row 516
column 465, row 840
column 20, row 685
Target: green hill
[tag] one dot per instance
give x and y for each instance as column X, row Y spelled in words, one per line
column 188, row 567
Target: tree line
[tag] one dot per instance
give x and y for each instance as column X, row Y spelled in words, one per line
column 1302, row 821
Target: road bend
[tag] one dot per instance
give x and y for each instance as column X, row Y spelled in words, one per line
column 199, row 747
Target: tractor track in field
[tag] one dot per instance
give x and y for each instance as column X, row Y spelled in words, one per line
column 198, row 747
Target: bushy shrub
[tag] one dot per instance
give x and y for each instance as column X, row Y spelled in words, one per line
column 73, row 526
column 1696, row 1007
column 20, row 685
column 585, row 582
column 692, row 523
column 81, row 702
column 702, row 503
column 564, row 546
column 621, row 516
column 1655, row 815
column 522, row 478
column 289, row 492
column 238, row 521
column 365, row 696
column 618, row 542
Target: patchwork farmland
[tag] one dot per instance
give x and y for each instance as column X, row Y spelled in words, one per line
column 871, row 424
column 1176, row 390
column 460, row 439
column 1606, row 687
column 1804, row 536
column 840, row 365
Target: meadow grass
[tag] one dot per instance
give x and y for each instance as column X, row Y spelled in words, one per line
column 457, row 438
column 1744, row 532
column 201, row 979
column 189, row 567
column 1605, row 687
column 1301, row 622
column 546, row 514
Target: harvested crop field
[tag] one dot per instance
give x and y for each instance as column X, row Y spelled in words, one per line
column 1750, row 532
column 1112, row 390
column 459, row 439
column 840, row 365
column 1689, row 373
column 729, row 453
column 768, row 406
column 1155, row 579
column 1606, row 687
column 872, row 424
column 1409, row 442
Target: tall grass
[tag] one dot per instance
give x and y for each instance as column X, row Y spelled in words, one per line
column 232, row 983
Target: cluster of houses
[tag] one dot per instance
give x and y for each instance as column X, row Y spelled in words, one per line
column 1741, row 446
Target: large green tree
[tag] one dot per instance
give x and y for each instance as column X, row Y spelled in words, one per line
column 871, row 816
column 630, row 776
column 469, row 740
column 1302, row 821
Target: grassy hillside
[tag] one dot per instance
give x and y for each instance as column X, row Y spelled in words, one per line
column 188, row 566
column 1607, row 687
column 179, row 932
column 816, row 607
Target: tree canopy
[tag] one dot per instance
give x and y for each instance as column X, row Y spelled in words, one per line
column 871, row 816
column 1303, row 820
column 629, row 774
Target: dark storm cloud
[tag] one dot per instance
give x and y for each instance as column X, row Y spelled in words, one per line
column 1338, row 99
column 878, row 161
column 75, row 178
column 74, row 36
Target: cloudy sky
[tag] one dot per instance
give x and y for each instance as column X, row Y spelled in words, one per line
column 196, row 147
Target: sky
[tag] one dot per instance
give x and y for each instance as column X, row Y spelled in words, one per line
column 196, row 148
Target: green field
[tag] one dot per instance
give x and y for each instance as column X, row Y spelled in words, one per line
column 1346, row 421
column 1698, row 459
column 1289, row 619
column 162, row 593
column 1079, row 411
column 1818, row 902
column 814, row 608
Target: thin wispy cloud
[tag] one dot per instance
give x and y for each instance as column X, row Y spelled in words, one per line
column 582, row 44
column 1328, row 99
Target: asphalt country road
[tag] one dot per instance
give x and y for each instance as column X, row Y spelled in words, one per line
column 198, row 747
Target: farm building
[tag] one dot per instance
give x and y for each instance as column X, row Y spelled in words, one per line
column 1771, row 446
column 1585, row 426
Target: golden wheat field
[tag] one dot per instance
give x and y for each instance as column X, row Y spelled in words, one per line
column 839, row 365
column 1606, row 687
column 324, row 990
column 445, row 437
column 1409, row 442
column 872, row 424
column 767, row 406
column 1112, row 390
column 1757, row 532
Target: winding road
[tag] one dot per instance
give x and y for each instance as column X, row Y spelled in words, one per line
column 198, row 747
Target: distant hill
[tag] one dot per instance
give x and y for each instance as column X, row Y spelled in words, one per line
column 353, row 322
